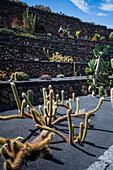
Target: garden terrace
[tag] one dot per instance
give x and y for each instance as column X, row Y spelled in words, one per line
column 69, row 85
column 45, row 20
column 35, row 68
column 26, row 48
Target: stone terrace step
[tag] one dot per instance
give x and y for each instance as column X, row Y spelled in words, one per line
column 78, row 45
column 30, row 52
column 77, row 51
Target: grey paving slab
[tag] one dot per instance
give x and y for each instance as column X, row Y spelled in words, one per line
column 97, row 166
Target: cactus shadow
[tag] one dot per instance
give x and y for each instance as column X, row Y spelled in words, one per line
column 93, row 144
column 90, row 154
column 33, row 133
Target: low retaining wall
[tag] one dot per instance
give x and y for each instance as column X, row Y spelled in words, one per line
column 36, row 68
column 75, row 84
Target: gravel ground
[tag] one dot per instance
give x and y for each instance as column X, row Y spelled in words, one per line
column 62, row 155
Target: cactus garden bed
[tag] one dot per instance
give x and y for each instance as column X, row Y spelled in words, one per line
column 62, row 155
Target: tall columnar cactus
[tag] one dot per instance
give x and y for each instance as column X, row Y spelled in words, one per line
column 15, row 151
column 29, row 20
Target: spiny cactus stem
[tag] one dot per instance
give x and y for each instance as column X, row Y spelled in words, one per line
column 60, row 119
column 29, row 95
column 27, row 100
column 16, row 96
column 41, row 111
column 50, row 87
column 72, row 132
column 73, row 96
column 78, row 104
column 70, row 103
column 70, row 125
column 86, row 127
column 35, row 118
column 50, row 105
column 57, row 98
column 44, row 96
column 81, row 130
column 46, row 111
column 67, row 103
column 42, row 143
column 22, row 107
column 52, row 130
column 62, row 95
column 11, row 117
column 6, row 153
column 63, row 105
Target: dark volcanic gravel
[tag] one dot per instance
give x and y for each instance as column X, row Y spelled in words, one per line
column 62, row 155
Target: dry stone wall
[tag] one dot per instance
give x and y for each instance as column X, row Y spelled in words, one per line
column 7, row 101
column 49, row 22
column 35, row 69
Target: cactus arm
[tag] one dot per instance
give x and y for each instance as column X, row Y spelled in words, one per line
column 53, row 130
column 44, row 96
column 22, row 107
column 27, row 100
column 16, row 96
column 72, row 132
column 78, row 104
column 36, row 118
column 81, row 130
column 41, row 111
column 85, row 129
column 60, row 119
column 11, row 117
column 46, row 141
column 70, row 125
column 50, row 105
column 29, row 95
column 70, row 103
column 73, row 96
column 62, row 96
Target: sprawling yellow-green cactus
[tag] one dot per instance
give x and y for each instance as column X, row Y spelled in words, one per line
column 19, row 76
column 15, row 152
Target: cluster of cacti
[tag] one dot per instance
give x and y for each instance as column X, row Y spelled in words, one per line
column 19, row 76
column 97, row 37
column 98, row 70
column 60, row 76
column 15, row 152
column 56, row 57
column 29, row 21
column 2, row 75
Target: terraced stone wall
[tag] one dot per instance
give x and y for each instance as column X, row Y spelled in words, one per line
column 7, row 100
column 49, row 22
column 35, row 69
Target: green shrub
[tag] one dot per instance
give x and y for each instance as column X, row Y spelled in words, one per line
column 111, row 36
column 6, row 31
column 26, row 35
